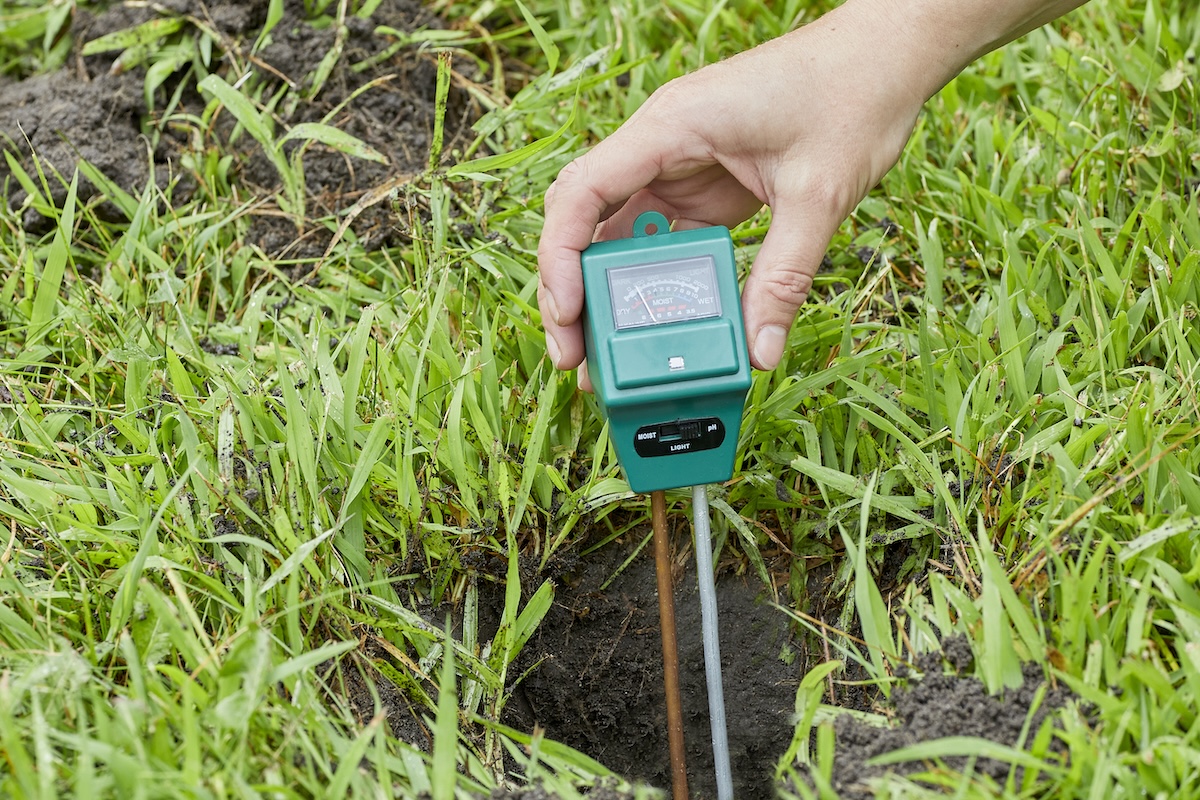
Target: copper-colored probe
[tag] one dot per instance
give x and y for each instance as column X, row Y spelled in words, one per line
column 666, row 616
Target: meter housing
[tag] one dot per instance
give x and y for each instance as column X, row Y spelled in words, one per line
column 666, row 351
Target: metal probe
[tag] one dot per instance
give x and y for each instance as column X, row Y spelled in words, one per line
column 712, row 643
column 666, row 617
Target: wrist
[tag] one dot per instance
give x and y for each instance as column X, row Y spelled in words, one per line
column 928, row 42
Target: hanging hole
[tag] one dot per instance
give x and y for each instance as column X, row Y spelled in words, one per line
column 650, row 223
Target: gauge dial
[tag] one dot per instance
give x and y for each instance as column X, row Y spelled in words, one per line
column 665, row 292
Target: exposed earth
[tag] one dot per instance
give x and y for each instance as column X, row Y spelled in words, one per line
column 595, row 679
column 94, row 110
column 599, row 687
column 944, row 704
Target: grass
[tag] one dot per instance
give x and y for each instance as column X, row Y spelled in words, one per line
column 228, row 491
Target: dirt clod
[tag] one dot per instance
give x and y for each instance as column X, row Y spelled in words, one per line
column 64, row 119
column 940, row 705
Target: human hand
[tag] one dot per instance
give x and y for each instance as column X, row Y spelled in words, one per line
column 807, row 124
column 790, row 124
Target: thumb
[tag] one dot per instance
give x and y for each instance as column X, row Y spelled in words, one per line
column 780, row 280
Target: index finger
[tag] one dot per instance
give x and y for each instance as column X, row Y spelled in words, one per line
column 587, row 191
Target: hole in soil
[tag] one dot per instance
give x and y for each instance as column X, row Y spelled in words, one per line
column 599, row 684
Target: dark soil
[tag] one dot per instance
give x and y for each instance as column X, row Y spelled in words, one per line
column 88, row 111
column 938, row 705
column 538, row 793
column 63, row 119
column 600, row 792
column 366, row 692
column 599, row 684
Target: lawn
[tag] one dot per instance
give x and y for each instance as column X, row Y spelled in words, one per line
column 294, row 504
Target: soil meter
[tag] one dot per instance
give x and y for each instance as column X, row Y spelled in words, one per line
column 666, row 351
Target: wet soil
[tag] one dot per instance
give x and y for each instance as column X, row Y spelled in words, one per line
column 597, row 682
column 93, row 110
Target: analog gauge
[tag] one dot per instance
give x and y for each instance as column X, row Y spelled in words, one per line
column 664, row 292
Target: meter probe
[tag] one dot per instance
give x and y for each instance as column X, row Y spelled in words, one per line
column 667, row 357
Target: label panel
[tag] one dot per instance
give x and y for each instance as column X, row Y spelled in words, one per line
column 678, row 437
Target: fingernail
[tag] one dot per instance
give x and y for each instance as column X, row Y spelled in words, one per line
column 768, row 346
column 552, row 349
column 546, row 300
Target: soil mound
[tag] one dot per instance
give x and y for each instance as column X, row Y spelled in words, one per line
column 940, row 705
column 63, row 119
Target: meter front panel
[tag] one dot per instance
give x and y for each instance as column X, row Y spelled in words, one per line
column 664, row 292
column 666, row 351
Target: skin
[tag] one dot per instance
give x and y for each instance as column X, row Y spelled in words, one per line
column 807, row 124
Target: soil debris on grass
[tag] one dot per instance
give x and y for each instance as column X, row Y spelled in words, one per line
column 942, row 704
column 366, row 691
column 597, row 678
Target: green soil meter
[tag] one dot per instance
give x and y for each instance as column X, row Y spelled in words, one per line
column 666, row 351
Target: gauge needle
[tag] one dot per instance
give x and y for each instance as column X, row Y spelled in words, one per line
column 649, row 308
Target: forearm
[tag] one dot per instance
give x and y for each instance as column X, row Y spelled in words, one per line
column 1001, row 22
column 925, row 43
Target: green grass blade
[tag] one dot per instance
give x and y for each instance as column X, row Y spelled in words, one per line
column 337, row 139
column 504, row 161
column 243, row 111
column 965, row 746
column 146, row 33
column 543, row 39
column 444, row 773
column 538, row 432
column 51, row 279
